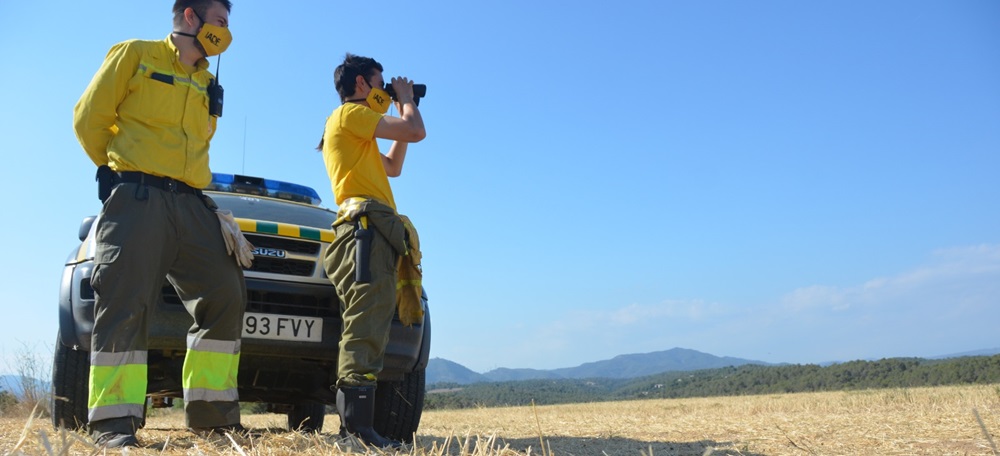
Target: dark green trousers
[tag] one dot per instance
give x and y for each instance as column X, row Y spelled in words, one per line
column 144, row 235
column 366, row 308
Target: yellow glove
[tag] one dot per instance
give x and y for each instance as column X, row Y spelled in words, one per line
column 236, row 244
column 410, row 278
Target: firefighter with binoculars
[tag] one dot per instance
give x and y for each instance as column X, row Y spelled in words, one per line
column 374, row 260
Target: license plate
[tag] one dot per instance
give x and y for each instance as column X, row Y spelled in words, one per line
column 282, row 327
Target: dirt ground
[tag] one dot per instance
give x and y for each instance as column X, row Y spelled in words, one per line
column 919, row 421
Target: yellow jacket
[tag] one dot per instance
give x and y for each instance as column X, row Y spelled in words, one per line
column 143, row 111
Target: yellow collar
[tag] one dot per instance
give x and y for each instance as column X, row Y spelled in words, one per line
column 202, row 63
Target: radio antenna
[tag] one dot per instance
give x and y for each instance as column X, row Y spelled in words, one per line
column 244, row 170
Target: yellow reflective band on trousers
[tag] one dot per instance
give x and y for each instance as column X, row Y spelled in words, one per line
column 209, row 372
column 117, row 385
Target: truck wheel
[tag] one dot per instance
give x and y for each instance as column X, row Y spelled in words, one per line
column 70, row 375
column 307, row 417
column 398, row 406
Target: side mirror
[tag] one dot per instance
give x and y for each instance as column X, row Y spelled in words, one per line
column 85, row 227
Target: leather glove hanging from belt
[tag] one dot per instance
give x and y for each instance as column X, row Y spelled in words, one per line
column 237, row 245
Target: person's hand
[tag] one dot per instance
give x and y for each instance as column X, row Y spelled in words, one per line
column 403, row 88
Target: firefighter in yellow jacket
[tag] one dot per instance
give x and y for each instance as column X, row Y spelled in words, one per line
column 145, row 121
column 363, row 259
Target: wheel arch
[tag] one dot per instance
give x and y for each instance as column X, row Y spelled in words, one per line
column 425, row 340
column 68, row 334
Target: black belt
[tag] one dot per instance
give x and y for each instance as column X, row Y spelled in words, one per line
column 162, row 183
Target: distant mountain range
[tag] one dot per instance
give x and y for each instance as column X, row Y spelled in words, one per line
column 623, row 366
column 15, row 384
column 441, row 370
column 984, row 352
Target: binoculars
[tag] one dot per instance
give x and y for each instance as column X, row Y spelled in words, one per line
column 419, row 91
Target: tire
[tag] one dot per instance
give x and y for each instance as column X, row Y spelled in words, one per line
column 307, row 417
column 70, row 375
column 398, row 406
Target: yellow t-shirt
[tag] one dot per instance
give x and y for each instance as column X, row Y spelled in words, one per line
column 351, row 154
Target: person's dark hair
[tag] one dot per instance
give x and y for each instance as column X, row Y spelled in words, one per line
column 200, row 6
column 345, row 77
column 346, row 73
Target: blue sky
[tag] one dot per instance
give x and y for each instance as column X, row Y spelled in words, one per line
column 784, row 181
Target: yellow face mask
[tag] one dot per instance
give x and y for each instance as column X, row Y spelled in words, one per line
column 379, row 100
column 214, row 39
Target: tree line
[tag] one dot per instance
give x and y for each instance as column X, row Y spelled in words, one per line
column 727, row 381
column 7, row 401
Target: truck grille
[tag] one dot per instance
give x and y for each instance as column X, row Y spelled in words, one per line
column 291, row 245
column 291, row 304
column 285, row 266
column 277, row 303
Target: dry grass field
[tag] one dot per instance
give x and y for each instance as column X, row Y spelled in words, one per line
column 917, row 421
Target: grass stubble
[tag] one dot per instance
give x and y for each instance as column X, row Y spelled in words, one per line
column 954, row 420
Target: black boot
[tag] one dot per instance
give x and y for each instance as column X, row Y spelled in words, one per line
column 356, row 406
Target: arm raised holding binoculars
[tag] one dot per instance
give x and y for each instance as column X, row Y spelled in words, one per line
column 407, row 128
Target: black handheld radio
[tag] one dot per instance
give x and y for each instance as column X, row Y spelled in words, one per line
column 215, row 93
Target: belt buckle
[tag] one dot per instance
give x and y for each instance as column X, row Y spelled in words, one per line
column 171, row 185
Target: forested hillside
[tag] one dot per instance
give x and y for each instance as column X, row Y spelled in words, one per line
column 728, row 381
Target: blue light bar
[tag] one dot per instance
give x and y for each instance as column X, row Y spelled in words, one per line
column 235, row 183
